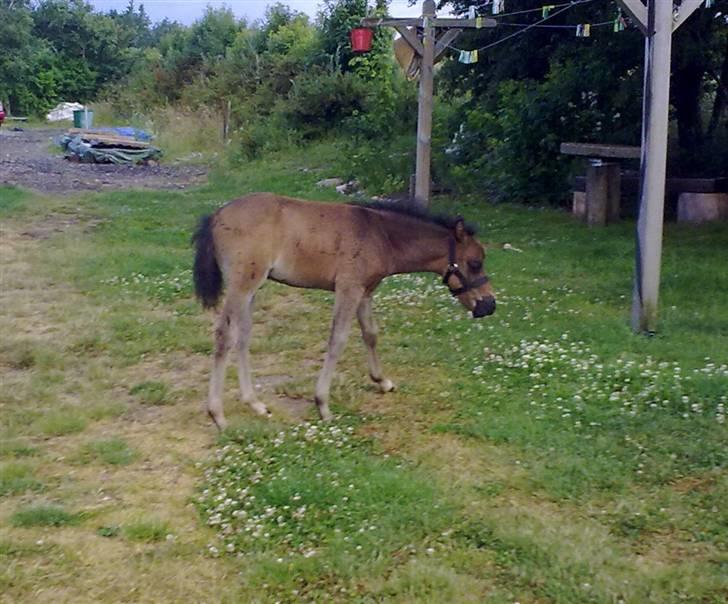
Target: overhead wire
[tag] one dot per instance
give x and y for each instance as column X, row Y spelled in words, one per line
column 533, row 10
column 557, row 10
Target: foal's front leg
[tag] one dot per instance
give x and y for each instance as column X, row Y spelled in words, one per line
column 369, row 333
column 345, row 305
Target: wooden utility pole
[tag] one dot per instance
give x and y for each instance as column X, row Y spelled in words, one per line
column 429, row 37
column 424, row 106
column 657, row 21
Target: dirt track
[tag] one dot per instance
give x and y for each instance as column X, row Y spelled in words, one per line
column 30, row 159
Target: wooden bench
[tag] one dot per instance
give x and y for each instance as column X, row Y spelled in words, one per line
column 600, row 203
column 686, row 199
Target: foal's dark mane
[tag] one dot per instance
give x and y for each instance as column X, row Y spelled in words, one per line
column 413, row 210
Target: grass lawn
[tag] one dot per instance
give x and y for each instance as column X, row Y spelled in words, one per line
column 544, row 454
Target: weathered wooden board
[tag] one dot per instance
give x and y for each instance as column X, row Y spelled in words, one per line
column 598, row 150
column 105, row 138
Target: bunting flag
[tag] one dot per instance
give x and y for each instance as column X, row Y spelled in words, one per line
column 546, row 9
column 497, row 6
column 471, row 12
column 619, row 23
column 478, row 22
column 583, row 30
column 708, row 3
column 468, row 57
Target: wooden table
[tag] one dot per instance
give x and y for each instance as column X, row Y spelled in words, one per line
column 602, row 178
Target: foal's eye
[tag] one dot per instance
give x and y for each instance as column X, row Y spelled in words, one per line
column 475, row 265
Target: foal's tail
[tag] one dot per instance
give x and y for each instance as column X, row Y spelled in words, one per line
column 207, row 274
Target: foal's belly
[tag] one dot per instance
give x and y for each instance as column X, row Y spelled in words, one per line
column 300, row 272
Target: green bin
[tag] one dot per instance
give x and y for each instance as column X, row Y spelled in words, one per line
column 83, row 118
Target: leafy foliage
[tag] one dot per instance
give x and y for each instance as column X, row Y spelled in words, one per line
column 527, row 95
column 287, row 80
column 62, row 50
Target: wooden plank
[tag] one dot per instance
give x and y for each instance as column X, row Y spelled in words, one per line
column 630, row 183
column 108, row 139
column 410, row 36
column 637, row 11
column 698, row 185
column 445, row 40
column 116, row 141
column 687, row 8
column 405, row 22
column 601, row 150
column 470, row 23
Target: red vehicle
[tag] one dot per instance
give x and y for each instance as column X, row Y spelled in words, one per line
column 2, row 113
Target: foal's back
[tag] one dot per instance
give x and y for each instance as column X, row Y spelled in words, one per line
column 301, row 243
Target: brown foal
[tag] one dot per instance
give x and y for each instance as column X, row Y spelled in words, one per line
column 347, row 249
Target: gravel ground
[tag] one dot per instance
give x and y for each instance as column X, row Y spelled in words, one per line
column 28, row 158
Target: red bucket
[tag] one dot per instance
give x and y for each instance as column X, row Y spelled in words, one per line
column 361, row 39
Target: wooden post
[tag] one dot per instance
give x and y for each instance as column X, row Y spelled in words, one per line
column 428, row 48
column 424, row 107
column 596, row 193
column 658, row 45
column 657, row 20
column 614, row 191
column 226, row 110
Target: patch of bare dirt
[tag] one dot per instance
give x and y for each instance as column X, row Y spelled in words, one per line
column 28, row 159
column 296, row 409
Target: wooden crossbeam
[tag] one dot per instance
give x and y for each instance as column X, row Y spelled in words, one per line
column 480, row 22
column 687, row 8
column 637, row 11
column 444, row 41
column 412, row 39
column 397, row 22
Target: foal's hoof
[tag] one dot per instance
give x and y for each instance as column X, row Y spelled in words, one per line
column 260, row 409
column 219, row 420
column 326, row 416
column 386, row 386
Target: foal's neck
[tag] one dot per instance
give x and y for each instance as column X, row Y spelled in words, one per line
column 418, row 246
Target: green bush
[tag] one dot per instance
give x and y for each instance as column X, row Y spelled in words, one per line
column 257, row 137
column 322, row 97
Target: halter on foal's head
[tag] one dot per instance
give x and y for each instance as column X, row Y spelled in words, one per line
column 474, row 292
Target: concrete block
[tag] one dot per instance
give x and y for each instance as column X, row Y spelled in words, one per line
column 702, row 207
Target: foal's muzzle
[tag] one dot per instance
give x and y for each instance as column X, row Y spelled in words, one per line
column 484, row 307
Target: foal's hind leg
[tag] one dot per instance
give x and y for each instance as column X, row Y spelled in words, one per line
column 345, row 305
column 226, row 325
column 369, row 331
column 247, row 392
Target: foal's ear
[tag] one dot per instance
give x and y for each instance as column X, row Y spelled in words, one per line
column 459, row 229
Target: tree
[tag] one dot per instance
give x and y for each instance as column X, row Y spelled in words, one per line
column 16, row 52
column 587, row 89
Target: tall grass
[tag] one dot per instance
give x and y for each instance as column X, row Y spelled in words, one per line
column 184, row 135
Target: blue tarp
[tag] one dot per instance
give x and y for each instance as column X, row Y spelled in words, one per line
column 75, row 146
column 135, row 133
